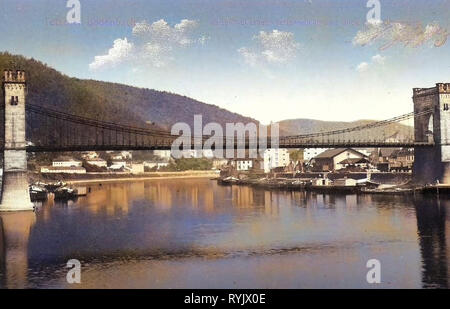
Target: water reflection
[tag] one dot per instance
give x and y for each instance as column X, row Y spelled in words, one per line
column 15, row 231
column 432, row 229
column 194, row 233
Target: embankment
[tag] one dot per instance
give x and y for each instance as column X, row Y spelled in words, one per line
column 115, row 177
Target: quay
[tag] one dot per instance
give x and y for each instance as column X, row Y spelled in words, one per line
column 338, row 186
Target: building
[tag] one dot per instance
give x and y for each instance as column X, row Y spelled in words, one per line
column 118, row 165
column 395, row 159
column 219, row 163
column 330, row 160
column 99, row 162
column 275, row 157
column 244, row 164
column 163, row 154
column 89, row 155
column 122, row 155
column 310, row 153
column 360, row 163
column 66, row 162
column 157, row 165
column 137, row 168
column 63, row 169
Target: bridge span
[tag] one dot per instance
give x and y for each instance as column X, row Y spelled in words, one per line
column 32, row 128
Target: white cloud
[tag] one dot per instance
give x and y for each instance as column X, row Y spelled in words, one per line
column 378, row 59
column 250, row 57
column 375, row 60
column 120, row 51
column 271, row 47
column 362, row 67
column 408, row 35
column 160, row 32
column 154, row 43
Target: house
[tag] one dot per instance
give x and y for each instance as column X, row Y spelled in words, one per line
column 123, row 155
column 89, row 155
column 275, row 157
column 402, row 160
column 395, row 159
column 362, row 163
column 330, row 160
column 97, row 162
column 63, row 169
column 163, row 154
column 219, row 163
column 158, row 165
column 137, row 168
column 118, row 165
column 243, row 164
column 65, row 161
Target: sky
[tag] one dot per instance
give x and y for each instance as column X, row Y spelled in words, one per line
column 267, row 59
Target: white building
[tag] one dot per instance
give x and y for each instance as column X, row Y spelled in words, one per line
column 137, row 168
column 158, row 165
column 118, row 164
column 310, row 153
column 163, row 154
column 66, row 162
column 275, row 157
column 97, row 162
column 242, row 164
column 123, row 155
column 89, row 155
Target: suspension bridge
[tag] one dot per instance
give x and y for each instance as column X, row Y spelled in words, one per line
column 49, row 130
column 33, row 128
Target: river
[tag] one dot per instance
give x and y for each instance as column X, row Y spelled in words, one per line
column 193, row 233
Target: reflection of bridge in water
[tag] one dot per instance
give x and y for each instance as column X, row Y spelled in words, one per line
column 22, row 234
column 39, row 129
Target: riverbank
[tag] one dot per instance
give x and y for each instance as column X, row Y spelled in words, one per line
column 119, row 177
column 335, row 185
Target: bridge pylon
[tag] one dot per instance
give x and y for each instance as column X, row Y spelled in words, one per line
column 432, row 164
column 15, row 191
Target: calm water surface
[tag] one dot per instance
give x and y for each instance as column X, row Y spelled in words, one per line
column 193, row 233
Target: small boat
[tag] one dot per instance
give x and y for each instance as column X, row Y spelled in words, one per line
column 388, row 191
column 38, row 193
column 65, row 193
column 51, row 187
column 227, row 180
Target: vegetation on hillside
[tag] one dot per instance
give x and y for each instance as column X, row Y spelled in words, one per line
column 111, row 101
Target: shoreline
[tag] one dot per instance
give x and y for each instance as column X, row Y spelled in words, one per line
column 98, row 180
column 99, row 177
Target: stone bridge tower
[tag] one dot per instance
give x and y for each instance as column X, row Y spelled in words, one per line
column 15, row 192
column 432, row 164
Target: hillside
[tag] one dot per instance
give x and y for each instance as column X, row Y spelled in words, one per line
column 110, row 101
column 306, row 126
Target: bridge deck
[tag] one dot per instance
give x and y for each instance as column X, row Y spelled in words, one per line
column 290, row 145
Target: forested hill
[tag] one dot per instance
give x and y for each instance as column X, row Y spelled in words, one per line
column 110, row 101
